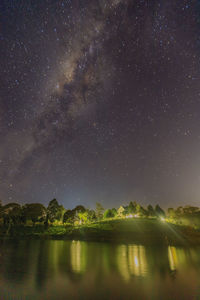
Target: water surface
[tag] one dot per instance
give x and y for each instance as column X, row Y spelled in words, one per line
column 86, row 270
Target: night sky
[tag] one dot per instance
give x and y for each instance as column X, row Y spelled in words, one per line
column 100, row 102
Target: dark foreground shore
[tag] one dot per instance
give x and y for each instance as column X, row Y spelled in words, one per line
column 143, row 231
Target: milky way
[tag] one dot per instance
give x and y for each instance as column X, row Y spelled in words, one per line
column 100, row 101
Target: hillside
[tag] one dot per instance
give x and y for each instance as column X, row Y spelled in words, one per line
column 143, row 231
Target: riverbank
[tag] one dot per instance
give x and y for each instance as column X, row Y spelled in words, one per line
column 142, row 231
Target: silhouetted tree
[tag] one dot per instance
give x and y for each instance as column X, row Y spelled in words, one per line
column 114, row 212
column 171, row 213
column 179, row 211
column 138, row 209
column 126, row 211
column 132, row 207
column 16, row 214
column 151, row 211
column 91, row 215
column 79, row 208
column 11, row 213
column 55, row 211
column 159, row 211
column 109, row 213
column 143, row 212
column 190, row 210
column 99, row 211
column 69, row 216
column 35, row 212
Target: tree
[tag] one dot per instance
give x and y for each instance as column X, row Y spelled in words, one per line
column 114, row 212
column 132, row 207
column 138, row 209
column 79, row 214
column 99, row 211
column 60, row 213
column 35, row 212
column 69, row 216
column 15, row 215
column 79, row 208
column 91, row 215
column 126, row 211
column 151, row 211
column 109, row 213
column 120, row 211
column 179, row 211
column 171, row 213
column 159, row 211
column 83, row 217
column 11, row 213
column 54, row 211
column 143, row 212
column 190, row 210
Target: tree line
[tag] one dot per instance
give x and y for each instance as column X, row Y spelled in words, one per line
column 54, row 213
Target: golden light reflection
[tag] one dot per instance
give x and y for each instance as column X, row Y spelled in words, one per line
column 137, row 260
column 132, row 261
column 78, row 256
column 177, row 257
column 54, row 254
column 172, row 258
column 123, row 262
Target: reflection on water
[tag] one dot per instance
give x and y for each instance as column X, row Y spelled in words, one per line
column 178, row 257
column 137, row 260
column 78, row 256
column 173, row 262
column 132, row 261
column 87, row 270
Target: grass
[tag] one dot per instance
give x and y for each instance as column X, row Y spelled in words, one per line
column 141, row 230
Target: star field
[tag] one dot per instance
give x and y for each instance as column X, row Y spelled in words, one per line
column 100, row 101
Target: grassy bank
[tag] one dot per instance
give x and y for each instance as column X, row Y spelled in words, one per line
column 143, row 231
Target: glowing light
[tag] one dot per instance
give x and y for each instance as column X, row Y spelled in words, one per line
column 136, row 261
column 162, row 219
column 129, row 216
